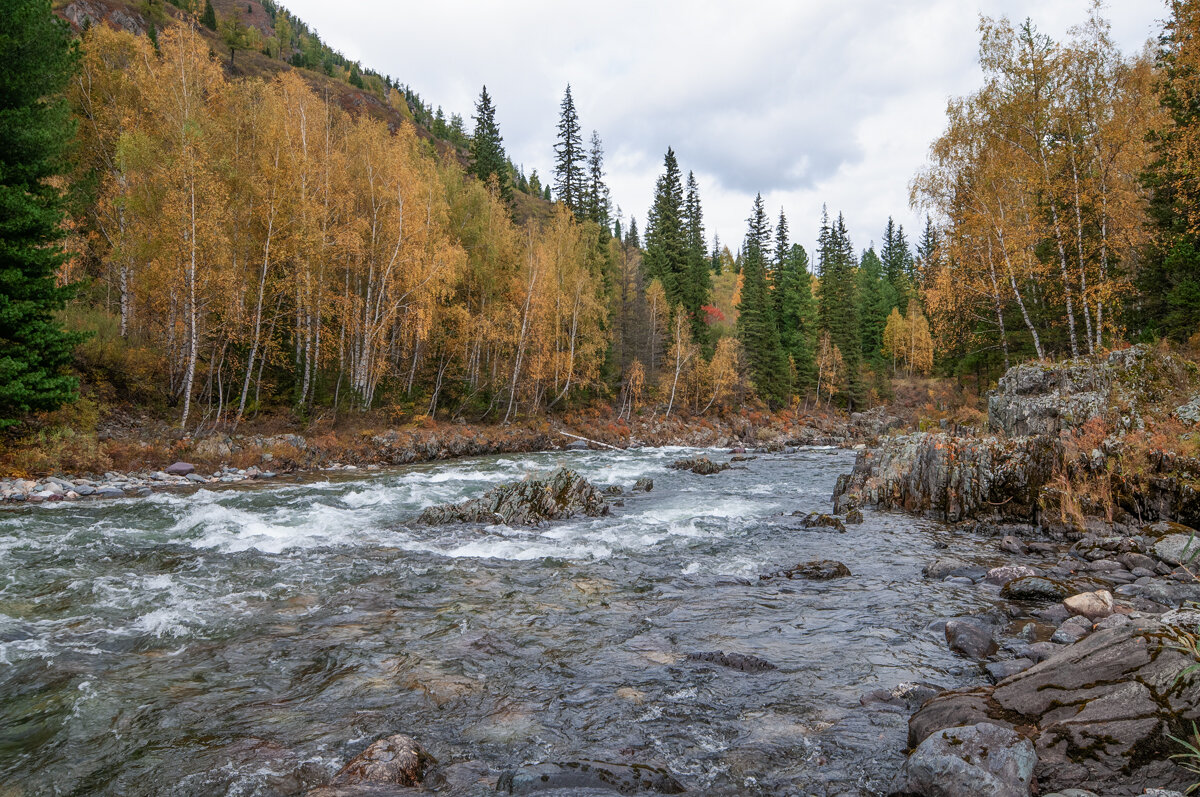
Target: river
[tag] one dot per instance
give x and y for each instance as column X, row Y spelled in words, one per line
column 199, row 643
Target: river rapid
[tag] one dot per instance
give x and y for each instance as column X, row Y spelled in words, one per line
column 240, row 641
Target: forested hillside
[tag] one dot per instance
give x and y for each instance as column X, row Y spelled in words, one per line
column 257, row 224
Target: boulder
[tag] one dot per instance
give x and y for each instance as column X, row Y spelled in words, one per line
column 946, row 566
column 970, row 637
column 577, row 445
column 1034, row 589
column 1177, row 549
column 817, row 520
column 999, row 670
column 734, row 661
column 818, row 570
column 982, row 759
column 854, row 516
column 1094, row 606
column 1006, row 573
column 179, row 469
column 560, row 495
column 1098, row 712
column 643, row 485
column 700, row 465
column 395, row 760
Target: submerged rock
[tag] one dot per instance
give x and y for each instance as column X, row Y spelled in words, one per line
column 734, row 661
column 700, row 465
column 1034, row 589
column 577, row 776
column 816, row 520
column 817, row 570
column 854, row 516
column 643, row 485
column 560, row 495
column 395, row 760
column 981, row 759
column 970, row 637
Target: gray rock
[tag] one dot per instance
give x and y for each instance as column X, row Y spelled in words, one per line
column 560, row 495
column 1006, row 573
column 574, row 777
column 854, row 516
column 817, row 520
column 1072, row 793
column 85, row 489
column 1177, row 549
column 1011, row 544
column 702, row 466
column 940, row 568
column 110, row 492
column 643, row 485
column 180, row 468
column 577, row 445
column 970, row 637
column 983, row 759
column 999, row 670
column 1034, row 589
column 817, row 570
column 734, row 661
column 196, row 478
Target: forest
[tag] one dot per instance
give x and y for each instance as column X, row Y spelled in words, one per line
column 236, row 243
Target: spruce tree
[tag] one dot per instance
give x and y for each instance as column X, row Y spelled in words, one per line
column 837, row 305
column 666, row 246
column 569, row 156
column 782, row 249
column 631, row 237
column 798, row 317
column 596, row 198
column 209, row 17
column 897, row 267
column 757, row 330
column 874, row 304
column 697, row 282
column 716, row 255
column 487, row 147
column 35, row 130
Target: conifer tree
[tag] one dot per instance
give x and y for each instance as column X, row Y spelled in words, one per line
column 209, row 17
column 874, row 304
column 596, row 198
column 666, row 245
column 757, row 330
column 631, row 237
column 716, row 255
column 569, row 156
column 837, row 304
column 782, row 249
column 897, row 267
column 487, row 147
column 697, row 282
column 35, row 130
column 798, row 317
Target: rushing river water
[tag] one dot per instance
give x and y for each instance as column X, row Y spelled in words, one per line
column 201, row 643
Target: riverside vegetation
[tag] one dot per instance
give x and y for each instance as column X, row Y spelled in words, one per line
column 282, row 266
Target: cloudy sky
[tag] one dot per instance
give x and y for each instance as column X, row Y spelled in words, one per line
column 807, row 102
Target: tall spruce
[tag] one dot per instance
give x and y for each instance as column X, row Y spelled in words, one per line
column 837, row 304
column 783, row 248
column 757, row 330
column 569, row 157
column 596, row 199
column 897, row 267
column 716, row 256
column 35, row 130
column 631, row 235
column 208, row 18
column 697, row 281
column 875, row 302
column 666, row 245
column 798, row 317
column 487, row 147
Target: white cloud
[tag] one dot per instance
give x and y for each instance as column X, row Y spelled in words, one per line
column 808, row 102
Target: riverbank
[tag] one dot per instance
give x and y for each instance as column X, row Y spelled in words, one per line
column 154, row 461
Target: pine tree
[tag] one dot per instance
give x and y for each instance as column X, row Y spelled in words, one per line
column 697, row 282
column 782, row 249
column 874, row 304
column 209, row 17
column 897, row 267
column 716, row 255
column 35, row 131
column 837, row 304
column 798, row 317
column 666, row 246
column 631, row 237
column 487, row 147
column 757, row 330
column 569, row 156
column 596, row 198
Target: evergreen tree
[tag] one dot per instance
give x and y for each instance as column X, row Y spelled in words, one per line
column 782, row 250
column 874, row 304
column 716, row 256
column 487, row 147
column 927, row 249
column 898, row 267
column 757, row 330
column 798, row 317
column 35, row 130
column 837, row 304
column 631, row 237
column 569, row 156
column 596, row 198
column 666, row 245
column 546, row 193
column 209, row 17
column 697, row 284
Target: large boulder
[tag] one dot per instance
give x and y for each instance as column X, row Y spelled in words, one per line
column 952, row 478
column 817, row 570
column 560, row 495
column 702, row 466
column 983, row 759
column 1098, row 712
column 397, row 760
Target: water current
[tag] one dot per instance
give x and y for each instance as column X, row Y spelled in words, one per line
column 239, row 641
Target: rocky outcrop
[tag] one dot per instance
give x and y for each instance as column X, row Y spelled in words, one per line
column 560, row 495
column 952, row 478
column 818, row 570
column 1098, row 712
column 702, row 466
column 734, row 661
column 982, row 759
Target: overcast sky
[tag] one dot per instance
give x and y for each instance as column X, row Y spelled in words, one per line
column 807, row 102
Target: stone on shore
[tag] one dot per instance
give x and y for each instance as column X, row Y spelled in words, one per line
column 981, row 759
column 1094, row 606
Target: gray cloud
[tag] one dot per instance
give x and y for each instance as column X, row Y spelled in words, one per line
column 807, row 102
